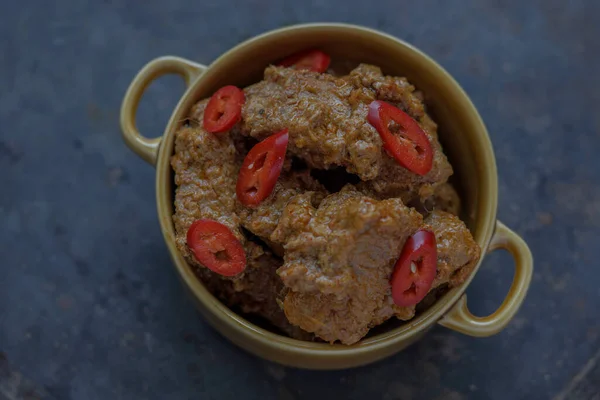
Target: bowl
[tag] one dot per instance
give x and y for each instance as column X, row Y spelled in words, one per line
column 470, row 152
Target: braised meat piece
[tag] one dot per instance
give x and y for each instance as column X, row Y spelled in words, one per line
column 457, row 256
column 205, row 176
column 338, row 260
column 327, row 121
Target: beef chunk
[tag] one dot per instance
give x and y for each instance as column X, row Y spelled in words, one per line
column 338, row 260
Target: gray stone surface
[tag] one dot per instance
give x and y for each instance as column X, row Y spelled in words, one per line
column 90, row 307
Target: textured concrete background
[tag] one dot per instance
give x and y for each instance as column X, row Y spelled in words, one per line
column 90, row 307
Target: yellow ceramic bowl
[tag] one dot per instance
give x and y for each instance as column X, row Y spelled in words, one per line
column 469, row 150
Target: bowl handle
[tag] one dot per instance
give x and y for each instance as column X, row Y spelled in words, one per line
column 460, row 319
column 145, row 147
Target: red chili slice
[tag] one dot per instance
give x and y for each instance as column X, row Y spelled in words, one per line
column 261, row 169
column 312, row 60
column 224, row 109
column 415, row 270
column 402, row 137
column 215, row 247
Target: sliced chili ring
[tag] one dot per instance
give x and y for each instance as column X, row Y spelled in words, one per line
column 216, row 247
column 402, row 137
column 415, row 270
column 261, row 169
column 224, row 109
column 312, row 60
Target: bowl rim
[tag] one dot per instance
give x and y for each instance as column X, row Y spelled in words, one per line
column 232, row 320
